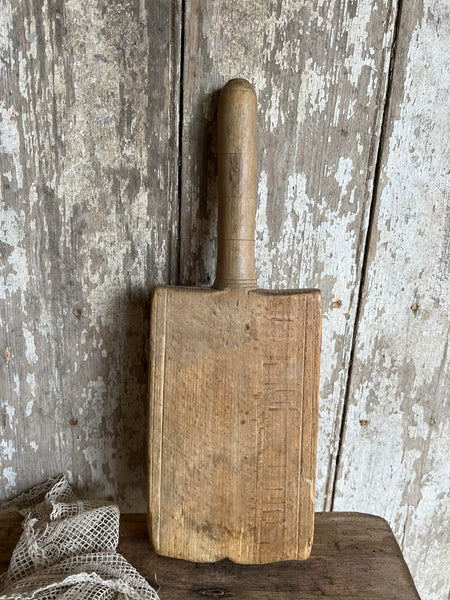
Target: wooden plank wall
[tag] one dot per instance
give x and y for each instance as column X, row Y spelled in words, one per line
column 89, row 217
column 109, row 186
column 394, row 457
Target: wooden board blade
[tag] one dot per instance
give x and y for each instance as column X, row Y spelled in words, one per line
column 234, row 379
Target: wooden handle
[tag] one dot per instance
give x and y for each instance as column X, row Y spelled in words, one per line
column 237, row 186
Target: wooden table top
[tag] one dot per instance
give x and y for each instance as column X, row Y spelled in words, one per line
column 354, row 556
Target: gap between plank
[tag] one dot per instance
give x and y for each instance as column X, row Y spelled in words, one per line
column 364, row 269
column 180, row 137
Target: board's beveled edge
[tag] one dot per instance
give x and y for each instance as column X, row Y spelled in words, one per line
column 313, row 303
column 158, row 314
column 300, row 545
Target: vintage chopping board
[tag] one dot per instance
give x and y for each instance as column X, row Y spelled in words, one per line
column 234, row 379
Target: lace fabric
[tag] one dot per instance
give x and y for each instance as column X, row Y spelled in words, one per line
column 68, row 550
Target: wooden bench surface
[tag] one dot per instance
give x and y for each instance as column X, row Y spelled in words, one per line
column 354, row 556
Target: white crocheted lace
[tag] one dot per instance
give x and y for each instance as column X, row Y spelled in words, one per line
column 67, row 550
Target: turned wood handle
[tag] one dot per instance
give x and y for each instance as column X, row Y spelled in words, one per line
column 237, row 186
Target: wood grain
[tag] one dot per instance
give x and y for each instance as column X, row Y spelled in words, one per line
column 236, row 126
column 234, row 381
column 233, row 423
column 354, row 556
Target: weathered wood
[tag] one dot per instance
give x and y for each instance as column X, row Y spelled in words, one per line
column 353, row 556
column 234, row 381
column 233, row 428
column 80, row 246
column 237, row 186
column 88, row 224
column 320, row 72
column 395, row 456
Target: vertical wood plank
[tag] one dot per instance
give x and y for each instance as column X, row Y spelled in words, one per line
column 394, row 457
column 320, row 72
column 88, row 224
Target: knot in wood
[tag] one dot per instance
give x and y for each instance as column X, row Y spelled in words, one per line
column 213, row 593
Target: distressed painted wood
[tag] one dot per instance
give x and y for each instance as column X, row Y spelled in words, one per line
column 88, row 224
column 354, row 556
column 320, row 73
column 234, row 382
column 89, row 99
column 395, row 451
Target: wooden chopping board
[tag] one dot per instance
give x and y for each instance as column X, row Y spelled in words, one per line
column 234, row 379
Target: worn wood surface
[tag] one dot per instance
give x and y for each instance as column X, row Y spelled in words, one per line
column 234, row 382
column 88, row 224
column 236, row 162
column 395, row 455
column 89, row 218
column 354, row 556
column 233, row 428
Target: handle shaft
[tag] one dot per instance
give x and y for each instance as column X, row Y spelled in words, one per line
column 237, row 186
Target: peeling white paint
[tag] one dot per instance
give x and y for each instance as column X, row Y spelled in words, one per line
column 313, row 95
column 409, row 177
column 11, row 233
column 336, row 112
column 16, row 387
column 361, row 54
column 9, row 138
column 421, row 426
column 30, row 347
column 96, row 457
column 396, row 465
column 262, row 241
column 10, row 476
column 29, row 408
column 360, row 147
column 343, row 174
column 10, row 411
column 273, row 114
column 7, row 449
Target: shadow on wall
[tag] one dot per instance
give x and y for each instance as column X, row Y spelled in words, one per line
column 199, row 194
column 132, row 339
column 113, row 423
